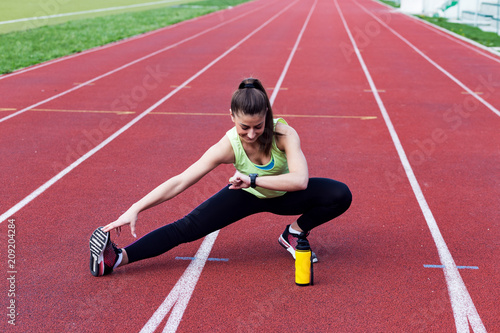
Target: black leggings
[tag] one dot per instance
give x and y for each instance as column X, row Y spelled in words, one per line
column 323, row 200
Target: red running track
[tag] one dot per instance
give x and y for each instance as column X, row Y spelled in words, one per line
column 403, row 113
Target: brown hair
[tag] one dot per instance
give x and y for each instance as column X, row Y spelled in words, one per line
column 251, row 99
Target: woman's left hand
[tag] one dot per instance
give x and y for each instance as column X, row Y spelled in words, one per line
column 239, row 181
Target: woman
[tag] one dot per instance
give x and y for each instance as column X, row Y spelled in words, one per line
column 271, row 176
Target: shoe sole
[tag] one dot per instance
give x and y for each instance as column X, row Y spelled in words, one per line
column 98, row 242
column 290, row 249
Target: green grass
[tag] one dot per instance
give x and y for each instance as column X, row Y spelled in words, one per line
column 29, row 14
column 12, row 9
column 489, row 39
column 20, row 49
column 391, row 3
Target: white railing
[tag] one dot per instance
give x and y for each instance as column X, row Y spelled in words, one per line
column 484, row 14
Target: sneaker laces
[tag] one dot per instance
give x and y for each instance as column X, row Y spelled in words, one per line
column 110, row 257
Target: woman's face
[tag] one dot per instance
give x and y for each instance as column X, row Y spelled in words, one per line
column 249, row 127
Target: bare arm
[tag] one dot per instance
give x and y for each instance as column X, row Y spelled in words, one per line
column 298, row 177
column 220, row 153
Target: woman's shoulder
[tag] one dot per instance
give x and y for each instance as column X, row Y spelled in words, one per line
column 223, row 151
column 283, row 128
column 286, row 135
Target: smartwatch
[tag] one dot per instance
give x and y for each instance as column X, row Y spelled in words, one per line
column 253, row 176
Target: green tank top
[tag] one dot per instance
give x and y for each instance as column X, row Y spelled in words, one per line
column 277, row 165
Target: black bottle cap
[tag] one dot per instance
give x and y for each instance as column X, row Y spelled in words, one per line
column 303, row 244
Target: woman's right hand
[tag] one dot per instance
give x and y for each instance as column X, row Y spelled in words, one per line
column 129, row 217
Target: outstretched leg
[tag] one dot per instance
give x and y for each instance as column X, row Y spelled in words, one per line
column 225, row 207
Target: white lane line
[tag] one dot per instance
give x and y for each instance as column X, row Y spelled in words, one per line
column 179, row 296
column 463, row 308
column 292, row 54
column 45, row 17
column 432, row 62
column 126, row 66
column 73, row 165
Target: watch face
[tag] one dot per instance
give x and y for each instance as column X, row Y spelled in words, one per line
column 252, row 179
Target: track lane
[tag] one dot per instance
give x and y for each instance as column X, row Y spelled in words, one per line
column 42, row 84
column 82, row 184
column 435, row 162
column 87, row 130
column 351, row 249
column 35, row 157
column 344, row 262
column 207, row 67
column 478, row 77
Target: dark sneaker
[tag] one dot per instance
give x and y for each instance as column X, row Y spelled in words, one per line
column 103, row 253
column 289, row 242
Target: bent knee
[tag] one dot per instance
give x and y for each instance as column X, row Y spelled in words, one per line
column 342, row 195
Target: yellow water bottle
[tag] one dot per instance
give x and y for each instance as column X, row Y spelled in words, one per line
column 303, row 263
